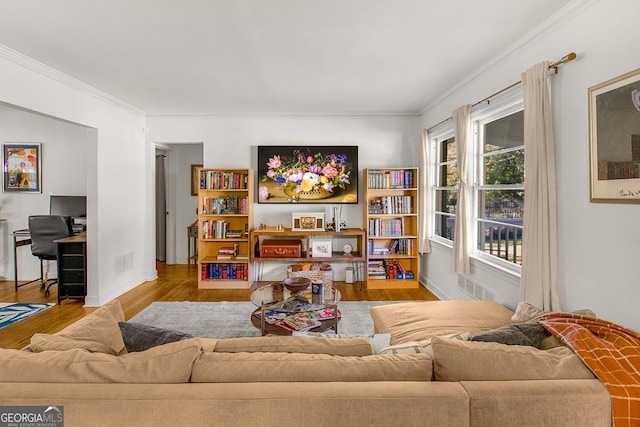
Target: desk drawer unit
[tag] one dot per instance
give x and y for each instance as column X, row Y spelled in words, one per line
column 280, row 248
column 72, row 270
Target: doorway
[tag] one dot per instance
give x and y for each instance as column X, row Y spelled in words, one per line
column 176, row 207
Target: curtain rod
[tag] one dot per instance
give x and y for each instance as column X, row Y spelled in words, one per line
column 553, row 66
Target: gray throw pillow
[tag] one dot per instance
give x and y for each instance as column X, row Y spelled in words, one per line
column 140, row 337
column 514, row 334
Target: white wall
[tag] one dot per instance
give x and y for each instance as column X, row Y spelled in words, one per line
column 598, row 243
column 117, row 186
column 64, row 172
column 232, row 142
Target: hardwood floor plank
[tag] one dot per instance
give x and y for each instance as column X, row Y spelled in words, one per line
column 175, row 283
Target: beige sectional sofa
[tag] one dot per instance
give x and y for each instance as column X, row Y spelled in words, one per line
column 423, row 378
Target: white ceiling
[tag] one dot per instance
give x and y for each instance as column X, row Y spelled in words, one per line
column 270, row 56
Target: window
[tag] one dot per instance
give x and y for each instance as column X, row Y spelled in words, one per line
column 499, row 189
column 446, row 190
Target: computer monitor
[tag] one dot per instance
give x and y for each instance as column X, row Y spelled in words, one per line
column 73, row 206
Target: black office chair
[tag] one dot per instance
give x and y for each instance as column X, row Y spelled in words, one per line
column 44, row 229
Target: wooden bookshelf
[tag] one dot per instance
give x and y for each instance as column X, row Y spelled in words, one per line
column 391, row 224
column 225, row 216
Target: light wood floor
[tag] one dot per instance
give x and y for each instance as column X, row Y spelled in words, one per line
column 174, row 283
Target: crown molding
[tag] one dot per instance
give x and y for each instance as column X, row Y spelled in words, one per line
column 291, row 115
column 60, row 77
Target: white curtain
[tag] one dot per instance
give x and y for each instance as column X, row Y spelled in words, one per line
column 424, row 246
column 539, row 251
column 462, row 132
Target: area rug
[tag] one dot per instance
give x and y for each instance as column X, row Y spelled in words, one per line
column 11, row 313
column 232, row 319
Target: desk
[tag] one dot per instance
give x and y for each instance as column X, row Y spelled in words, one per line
column 21, row 238
column 72, row 267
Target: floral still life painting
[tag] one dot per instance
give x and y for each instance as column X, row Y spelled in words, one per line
column 291, row 174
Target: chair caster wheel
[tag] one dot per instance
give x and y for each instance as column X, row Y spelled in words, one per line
column 42, row 287
column 47, row 292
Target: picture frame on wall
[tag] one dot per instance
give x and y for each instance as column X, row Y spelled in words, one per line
column 195, row 179
column 614, row 139
column 307, row 221
column 22, row 166
column 307, row 174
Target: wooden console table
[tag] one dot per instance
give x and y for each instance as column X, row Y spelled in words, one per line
column 357, row 257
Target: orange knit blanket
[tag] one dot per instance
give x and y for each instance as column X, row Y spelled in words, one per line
column 611, row 351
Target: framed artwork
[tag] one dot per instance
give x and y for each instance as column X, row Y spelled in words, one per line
column 307, row 221
column 311, row 174
column 195, row 179
column 614, row 137
column 321, row 248
column 22, row 163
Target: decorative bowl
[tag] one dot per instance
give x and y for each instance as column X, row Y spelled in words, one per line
column 296, row 284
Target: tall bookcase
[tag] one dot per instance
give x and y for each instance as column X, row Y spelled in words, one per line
column 391, row 225
column 225, row 216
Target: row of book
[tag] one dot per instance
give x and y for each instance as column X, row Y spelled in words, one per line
column 400, row 178
column 218, row 229
column 217, row 180
column 391, row 205
column 386, row 227
column 388, row 269
column 224, row 205
column 396, row 246
column 225, row 271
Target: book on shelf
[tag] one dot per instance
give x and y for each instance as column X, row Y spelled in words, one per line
column 230, row 205
column 220, row 180
column 396, row 178
column 224, row 271
column 390, row 205
column 228, row 252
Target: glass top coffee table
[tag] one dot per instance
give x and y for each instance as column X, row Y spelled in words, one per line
column 281, row 312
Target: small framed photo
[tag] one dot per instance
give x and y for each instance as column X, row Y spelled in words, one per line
column 22, row 163
column 195, row 179
column 307, row 221
column 321, row 247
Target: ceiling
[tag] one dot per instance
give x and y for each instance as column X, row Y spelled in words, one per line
column 270, row 56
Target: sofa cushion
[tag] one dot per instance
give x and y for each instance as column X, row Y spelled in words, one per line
column 528, row 333
column 526, row 312
column 416, row 321
column 47, row 342
column 456, row 360
column 99, row 326
column 377, row 341
column 167, row 364
column 141, row 337
column 287, row 344
column 415, row 347
column 298, row 367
